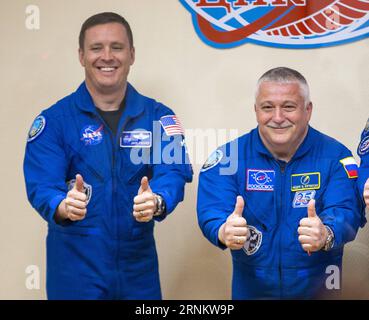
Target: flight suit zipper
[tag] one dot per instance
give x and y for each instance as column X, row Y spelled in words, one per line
column 282, row 168
column 115, row 146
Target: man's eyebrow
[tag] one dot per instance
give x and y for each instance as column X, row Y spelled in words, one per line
column 266, row 101
column 95, row 44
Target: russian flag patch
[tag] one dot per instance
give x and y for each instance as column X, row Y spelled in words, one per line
column 350, row 167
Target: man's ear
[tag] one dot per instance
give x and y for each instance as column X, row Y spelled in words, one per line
column 309, row 109
column 133, row 55
column 81, row 57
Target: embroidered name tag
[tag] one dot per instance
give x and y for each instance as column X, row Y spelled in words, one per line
column 136, row 139
column 305, row 181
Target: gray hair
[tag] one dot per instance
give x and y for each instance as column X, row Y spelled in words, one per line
column 285, row 75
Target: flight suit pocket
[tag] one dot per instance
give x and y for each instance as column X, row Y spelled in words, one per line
column 73, row 229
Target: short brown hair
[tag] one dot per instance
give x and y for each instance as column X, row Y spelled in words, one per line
column 103, row 18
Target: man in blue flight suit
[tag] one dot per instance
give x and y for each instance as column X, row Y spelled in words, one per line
column 363, row 152
column 101, row 165
column 284, row 202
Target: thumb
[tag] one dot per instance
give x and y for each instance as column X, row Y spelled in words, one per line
column 311, row 209
column 238, row 209
column 144, row 185
column 79, row 183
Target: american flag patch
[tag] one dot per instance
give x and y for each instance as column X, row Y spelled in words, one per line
column 171, row 125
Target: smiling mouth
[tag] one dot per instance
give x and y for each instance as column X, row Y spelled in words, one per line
column 279, row 128
column 107, row 69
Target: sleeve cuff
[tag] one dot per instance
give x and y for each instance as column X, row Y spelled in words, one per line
column 53, row 205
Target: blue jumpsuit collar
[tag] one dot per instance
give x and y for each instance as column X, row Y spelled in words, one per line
column 133, row 105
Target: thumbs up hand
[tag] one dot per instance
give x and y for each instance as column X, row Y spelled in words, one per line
column 73, row 207
column 312, row 232
column 144, row 203
column 233, row 233
column 366, row 193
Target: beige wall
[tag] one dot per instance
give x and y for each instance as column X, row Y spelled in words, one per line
column 208, row 88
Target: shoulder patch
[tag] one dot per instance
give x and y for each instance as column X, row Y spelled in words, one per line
column 36, row 129
column 171, row 125
column 350, row 166
column 212, row 161
column 363, row 148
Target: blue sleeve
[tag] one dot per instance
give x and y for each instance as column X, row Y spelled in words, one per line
column 44, row 170
column 340, row 207
column 216, row 197
column 171, row 166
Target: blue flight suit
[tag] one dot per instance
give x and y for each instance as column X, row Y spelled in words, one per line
column 363, row 152
column 108, row 255
column 272, row 263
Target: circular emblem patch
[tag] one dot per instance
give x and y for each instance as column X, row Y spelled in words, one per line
column 305, row 180
column 253, row 242
column 92, row 134
column 36, row 129
column 363, row 148
column 212, row 161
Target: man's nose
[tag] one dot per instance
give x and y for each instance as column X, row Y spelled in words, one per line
column 278, row 115
column 107, row 54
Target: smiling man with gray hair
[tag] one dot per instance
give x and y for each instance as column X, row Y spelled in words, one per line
column 292, row 204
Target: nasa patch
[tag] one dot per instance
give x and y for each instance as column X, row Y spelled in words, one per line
column 92, row 135
column 87, row 189
column 36, row 129
column 136, row 139
column 260, row 180
column 253, row 241
column 363, row 148
column 302, row 198
column 212, row 161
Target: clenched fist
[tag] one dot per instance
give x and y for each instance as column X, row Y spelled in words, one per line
column 73, row 207
column 312, row 232
column 233, row 233
column 144, row 203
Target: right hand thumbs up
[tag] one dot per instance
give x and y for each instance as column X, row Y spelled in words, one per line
column 233, row 233
column 73, row 207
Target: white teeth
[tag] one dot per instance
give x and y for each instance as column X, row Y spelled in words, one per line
column 107, row 69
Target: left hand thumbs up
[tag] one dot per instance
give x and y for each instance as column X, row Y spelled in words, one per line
column 144, row 203
column 311, row 209
column 312, row 232
column 144, row 186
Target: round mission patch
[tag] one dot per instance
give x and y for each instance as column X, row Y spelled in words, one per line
column 363, row 148
column 213, row 160
column 36, row 129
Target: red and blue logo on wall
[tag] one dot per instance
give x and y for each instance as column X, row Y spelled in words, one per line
column 279, row 23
